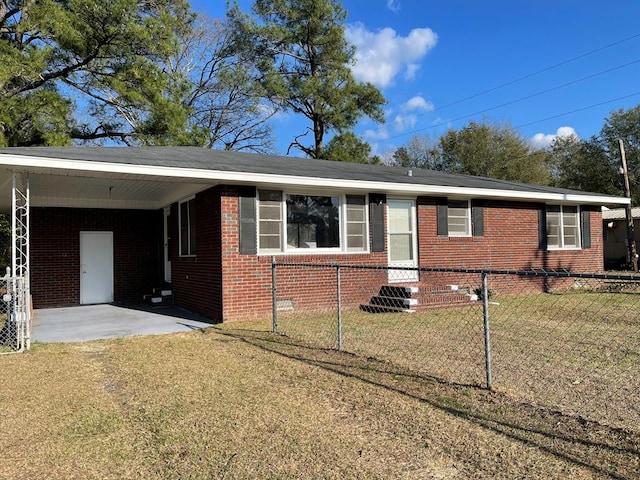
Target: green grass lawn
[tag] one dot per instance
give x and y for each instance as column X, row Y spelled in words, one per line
column 236, row 402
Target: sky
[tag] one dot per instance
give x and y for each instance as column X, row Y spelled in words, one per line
column 545, row 67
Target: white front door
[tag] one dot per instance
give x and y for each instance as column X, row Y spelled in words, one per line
column 401, row 218
column 96, row 267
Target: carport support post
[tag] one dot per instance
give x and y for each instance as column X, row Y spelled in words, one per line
column 274, row 296
column 339, row 295
column 487, row 332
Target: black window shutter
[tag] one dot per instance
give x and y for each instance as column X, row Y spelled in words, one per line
column 586, row 228
column 247, row 215
column 542, row 227
column 477, row 213
column 443, row 216
column 377, row 202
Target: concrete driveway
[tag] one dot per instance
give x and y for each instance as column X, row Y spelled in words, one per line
column 94, row 322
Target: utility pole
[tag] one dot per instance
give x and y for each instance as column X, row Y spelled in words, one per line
column 631, row 242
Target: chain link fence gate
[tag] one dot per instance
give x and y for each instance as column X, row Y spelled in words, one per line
column 15, row 328
column 562, row 340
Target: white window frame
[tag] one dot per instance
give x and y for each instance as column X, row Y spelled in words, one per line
column 343, row 248
column 282, row 221
column 189, row 228
column 468, row 232
column 344, row 225
column 561, row 237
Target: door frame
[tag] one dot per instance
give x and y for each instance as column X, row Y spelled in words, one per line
column 399, row 276
column 83, row 263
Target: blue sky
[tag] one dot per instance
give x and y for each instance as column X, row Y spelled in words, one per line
column 443, row 63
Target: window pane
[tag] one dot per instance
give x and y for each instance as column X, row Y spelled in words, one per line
column 399, row 219
column 355, row 214
column 270, row 228
column 270, row 242
column 313, row 221
column 270, row 196
column 355, row 229
column 355, row 242
column 269, row 211
column 401, row 249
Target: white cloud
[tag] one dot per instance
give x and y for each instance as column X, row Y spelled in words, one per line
column 543, row 141
column 417, row 103
column 393, row 5
column 382, row 55
column 376, row 134
column 404, row 122
column 410, row 71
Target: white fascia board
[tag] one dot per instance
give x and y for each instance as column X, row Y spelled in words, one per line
column 235, row 177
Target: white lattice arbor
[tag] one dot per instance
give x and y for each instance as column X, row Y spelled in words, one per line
column 19, row 312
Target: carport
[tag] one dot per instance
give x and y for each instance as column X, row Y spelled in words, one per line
column 36, row 178
column 95, row 322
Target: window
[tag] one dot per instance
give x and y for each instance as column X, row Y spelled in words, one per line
column 291, row 222
column 356, row 223
column 270, row 214
column 187, row 220
column 563, row 227
column 459, row 218
column 313, row 221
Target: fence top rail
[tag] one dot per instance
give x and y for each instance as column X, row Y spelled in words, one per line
column 534, row 272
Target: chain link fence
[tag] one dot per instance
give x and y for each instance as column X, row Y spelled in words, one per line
column 14, row 315
column 562, row 340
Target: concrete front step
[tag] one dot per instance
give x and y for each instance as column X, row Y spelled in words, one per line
column 369, row 308
column 397, row 298
column 159, row 297
column 396, row 302
column 395, row 291
column 392, row 299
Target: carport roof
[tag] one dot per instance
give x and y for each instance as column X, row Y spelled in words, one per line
column 152, row 177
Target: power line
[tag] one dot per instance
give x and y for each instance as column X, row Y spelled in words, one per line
column 546, row 69
column 517, row 100
column 594, row 105
column 552, row 117
column 511, row 82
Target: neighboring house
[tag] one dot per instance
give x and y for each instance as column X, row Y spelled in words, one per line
column 109, row 224
column 616, row 250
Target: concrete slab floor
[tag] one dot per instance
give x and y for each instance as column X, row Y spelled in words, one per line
column 94, row 322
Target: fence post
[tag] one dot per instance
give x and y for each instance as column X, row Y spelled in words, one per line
column 487, row 332
column 339, row 295
column 274, row 296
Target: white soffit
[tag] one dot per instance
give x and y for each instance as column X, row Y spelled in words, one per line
column 211, row 177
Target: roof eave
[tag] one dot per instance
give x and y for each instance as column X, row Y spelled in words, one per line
column 26, row 163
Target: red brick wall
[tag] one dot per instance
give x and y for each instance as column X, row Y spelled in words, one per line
column 197, row 280
column 248, row 294
column 510, row 242
column 221, row 284
column 55, row 252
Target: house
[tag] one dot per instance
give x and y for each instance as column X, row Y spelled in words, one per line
column 106, row 224
column 616, row 250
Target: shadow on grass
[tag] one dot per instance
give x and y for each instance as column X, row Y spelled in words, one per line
column 605, row 450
